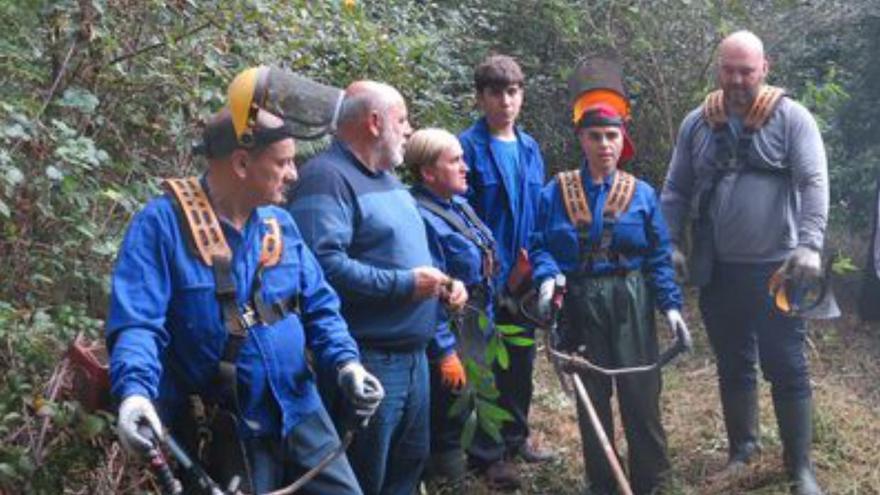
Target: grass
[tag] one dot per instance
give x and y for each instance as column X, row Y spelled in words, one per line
column 845, row 365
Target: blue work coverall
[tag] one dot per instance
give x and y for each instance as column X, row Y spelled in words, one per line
column 166, row 337
column 460, row 258
column 609, row 317
column 488, row 193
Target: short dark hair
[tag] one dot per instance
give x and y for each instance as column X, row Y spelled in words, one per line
column 497, row 72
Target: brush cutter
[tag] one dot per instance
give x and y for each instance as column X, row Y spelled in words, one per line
column 169, row 485
column 567, row 364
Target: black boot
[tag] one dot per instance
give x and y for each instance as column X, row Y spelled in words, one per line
column 741, row 421
column 795, row 419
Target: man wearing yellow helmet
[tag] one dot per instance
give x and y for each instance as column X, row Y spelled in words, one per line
column 215, row 300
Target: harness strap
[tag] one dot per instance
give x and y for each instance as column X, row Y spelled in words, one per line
column 713, row 109
column 759, row 113
column 208, row 244
column 622, row 190
column 486, row 243
column 763, row 107
column 207, row 239
column 574, row 198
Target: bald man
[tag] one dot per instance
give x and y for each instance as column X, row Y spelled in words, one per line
column 367, row 233
column 753, row 185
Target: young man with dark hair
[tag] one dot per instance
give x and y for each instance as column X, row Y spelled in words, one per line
column 506, row 173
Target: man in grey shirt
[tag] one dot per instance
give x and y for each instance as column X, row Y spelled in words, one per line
column 754, row 186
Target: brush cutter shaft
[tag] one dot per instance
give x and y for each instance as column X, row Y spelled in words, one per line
column 610, row 454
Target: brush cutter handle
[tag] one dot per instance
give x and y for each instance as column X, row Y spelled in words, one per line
column 168, row 484
column 677, row 348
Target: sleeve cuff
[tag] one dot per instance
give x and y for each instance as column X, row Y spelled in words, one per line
column 131, row 389
column 405, row 284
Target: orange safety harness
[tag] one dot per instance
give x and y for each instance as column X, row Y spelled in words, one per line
column 578, row 210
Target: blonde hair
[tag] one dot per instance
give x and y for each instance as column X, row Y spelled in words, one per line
column 423, row 149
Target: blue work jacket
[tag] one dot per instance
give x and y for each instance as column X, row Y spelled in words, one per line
column 640, row 235
column 488, row 187
column 163, row 308
column 458, row 257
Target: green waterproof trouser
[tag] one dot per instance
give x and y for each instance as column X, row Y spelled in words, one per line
column 610, row 321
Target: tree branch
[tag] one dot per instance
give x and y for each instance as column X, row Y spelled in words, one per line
column 160, row 44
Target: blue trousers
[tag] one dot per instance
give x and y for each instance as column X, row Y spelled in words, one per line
column 276, row 463
column 389, row 454
column 745, row 328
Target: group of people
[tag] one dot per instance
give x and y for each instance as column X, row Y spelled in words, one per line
column 295, row 305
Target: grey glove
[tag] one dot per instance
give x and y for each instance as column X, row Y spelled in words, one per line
column 545, row 298
column 133, row 411
column 363, row 390
column 679, row 263
column 803, row 263
column 679, row 328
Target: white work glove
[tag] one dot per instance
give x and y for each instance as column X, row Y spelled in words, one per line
column 362, row 389
column 545, row 298
column 135, row 410
column 679, row 263
column 679, row 327
column 803, row 264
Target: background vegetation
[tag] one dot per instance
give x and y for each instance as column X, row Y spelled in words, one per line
column 101, row 98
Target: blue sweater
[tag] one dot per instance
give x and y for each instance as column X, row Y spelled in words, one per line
column 367, row 234
column 163, row 308
column 488, row 191
column 640, row 234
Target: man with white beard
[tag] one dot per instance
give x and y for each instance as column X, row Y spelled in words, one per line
column 369, row 238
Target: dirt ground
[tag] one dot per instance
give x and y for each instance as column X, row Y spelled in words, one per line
column 845, row 364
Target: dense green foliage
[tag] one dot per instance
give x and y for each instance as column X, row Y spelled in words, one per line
column 102, row 97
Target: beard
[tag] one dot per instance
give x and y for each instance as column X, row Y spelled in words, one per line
column 392, row 147
column 742, row 96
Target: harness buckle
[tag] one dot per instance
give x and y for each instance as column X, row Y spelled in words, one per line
column 248, row 316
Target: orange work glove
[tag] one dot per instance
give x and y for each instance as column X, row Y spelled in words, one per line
column 452, row 372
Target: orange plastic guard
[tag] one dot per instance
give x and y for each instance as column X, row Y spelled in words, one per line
column 270, row 252
column 520, row 276
column 90, row 382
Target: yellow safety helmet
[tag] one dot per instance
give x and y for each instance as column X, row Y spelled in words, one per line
column 245, row 95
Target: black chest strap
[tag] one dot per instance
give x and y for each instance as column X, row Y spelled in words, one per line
column 207, row 243
column 484, row 240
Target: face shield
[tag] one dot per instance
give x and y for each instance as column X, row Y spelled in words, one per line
column 309, row 108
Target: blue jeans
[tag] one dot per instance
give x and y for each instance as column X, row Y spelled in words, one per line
column 276, row 463
column 745, row 327
column 389, row 454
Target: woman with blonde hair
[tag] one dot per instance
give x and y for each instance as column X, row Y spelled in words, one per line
column 462, row 247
